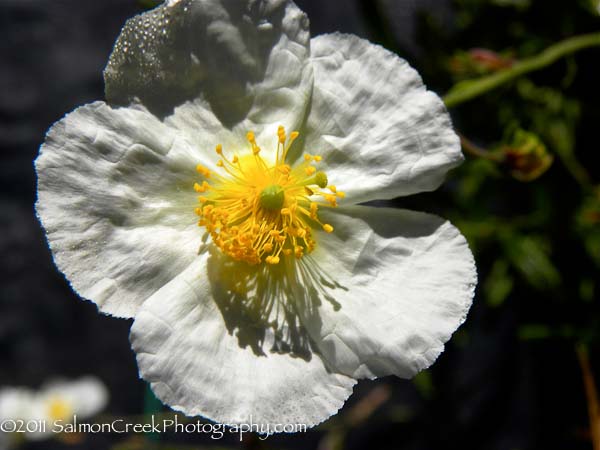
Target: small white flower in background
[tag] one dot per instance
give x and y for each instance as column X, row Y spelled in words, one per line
column 58, row 400
column 229, row 116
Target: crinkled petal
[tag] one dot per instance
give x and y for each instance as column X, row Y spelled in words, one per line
column 115, row 197
column 202, row 358
column 242, row 64
column 402, row 283
column 381, row 133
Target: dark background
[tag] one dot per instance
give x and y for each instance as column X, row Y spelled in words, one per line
column 510, row 379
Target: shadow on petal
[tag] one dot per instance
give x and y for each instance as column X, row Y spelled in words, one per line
column 263, row 305
column 216, row 50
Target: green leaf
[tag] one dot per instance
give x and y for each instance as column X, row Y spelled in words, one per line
column 498, row 284
column 530, row 256
column 424, row 383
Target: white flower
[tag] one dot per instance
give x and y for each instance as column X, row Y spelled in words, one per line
column 58, row 400
column 272, row 309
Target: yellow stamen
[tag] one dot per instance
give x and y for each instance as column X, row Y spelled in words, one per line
column 260, row 212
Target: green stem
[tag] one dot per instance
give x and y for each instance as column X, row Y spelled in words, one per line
column 473, row 150
column 469, row 89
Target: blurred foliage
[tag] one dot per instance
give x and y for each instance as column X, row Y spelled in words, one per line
column 520, row 78
column 524, row 198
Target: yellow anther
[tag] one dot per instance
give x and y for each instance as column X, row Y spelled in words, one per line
column 274, row 233
column 341, row 194
column 294, row 135
column 286, row 211
column 314, row 207
column 328, row 228
column 219, row 149
column 235, row 159
column 203, row 170
column 332, row 188
column 330, row 198
column 255, row 149
column 272, row 259
column 310, row 170
column 268, row 247
column 281, row 133
column 317, row 158
column 250, row 136
column 198, row 211
column 220, row 163
column 307, row 157
column 201, row 188
column 285, row 169
column 202, row 199
column 287, row 252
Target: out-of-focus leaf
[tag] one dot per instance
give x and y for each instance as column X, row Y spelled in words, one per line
column 477, row 172
column 587, row 288
column 593, row 6
column 534, row 331
column 519, row 4
column 530, row 256
column 401, row 413
column 424, row 383
column 498, row 284
column 588, row 224
column 539, row 331
column 554, row 117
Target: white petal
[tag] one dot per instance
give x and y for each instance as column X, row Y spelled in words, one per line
column 115, row 195
column 16, row 403
column 402, row 283
column 242, row 63
column 19, row 403
column 86, row 396
column 381, row 133
column 203, row 356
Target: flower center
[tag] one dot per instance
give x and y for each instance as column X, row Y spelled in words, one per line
column 59, row 409
column 255, row 211
column 272, row 197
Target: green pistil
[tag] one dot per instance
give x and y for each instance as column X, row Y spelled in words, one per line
column 272, row 197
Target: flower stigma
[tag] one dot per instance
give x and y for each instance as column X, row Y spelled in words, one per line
column 259, row 212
